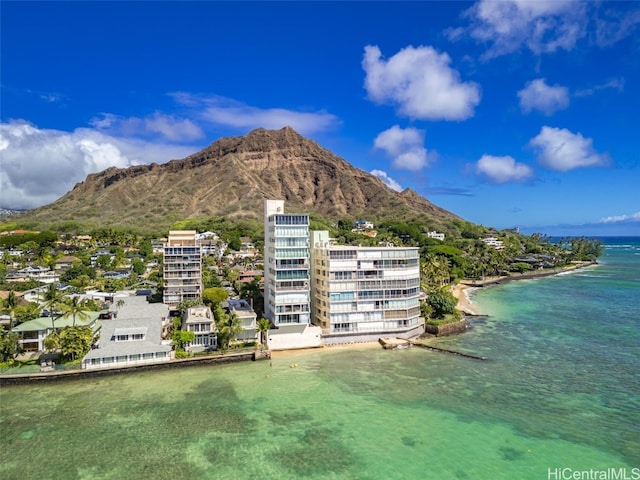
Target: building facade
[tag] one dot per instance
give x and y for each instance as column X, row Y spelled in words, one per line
column 248, row 318
column 200, row 321
column 133, row 341
column 286, row 271
column 182, row 268
column 360, row 290
column 34, row 332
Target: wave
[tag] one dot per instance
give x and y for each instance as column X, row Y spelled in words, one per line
column 592, row 276
column 562, row 274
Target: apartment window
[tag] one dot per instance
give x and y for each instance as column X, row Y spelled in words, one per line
column 343, row 254
column 343, row 327
column 341, row 275
column 343, row 296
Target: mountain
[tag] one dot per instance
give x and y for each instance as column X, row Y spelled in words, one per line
column 232, row 177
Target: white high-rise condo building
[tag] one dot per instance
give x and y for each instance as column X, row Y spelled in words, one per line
column 360, row 290
column 286, row 265
column 182, row 268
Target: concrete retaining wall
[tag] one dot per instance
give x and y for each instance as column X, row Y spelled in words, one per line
column 96, row 372
column 447, row 329
column 342, row 339
column 291, row 337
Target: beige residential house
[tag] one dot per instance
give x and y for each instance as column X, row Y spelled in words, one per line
column 201, row 322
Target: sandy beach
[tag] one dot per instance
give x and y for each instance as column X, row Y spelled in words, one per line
column 465, row 305
column 347, row 346
column 460, row 290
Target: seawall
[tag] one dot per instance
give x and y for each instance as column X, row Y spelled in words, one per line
column 342, row 339
column 98, row 372
column 452, row 328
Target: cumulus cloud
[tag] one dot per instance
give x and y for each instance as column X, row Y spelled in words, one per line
column 231, row 113
column 503, row 169
column 387, row 180
column 405, row 146
column 633, row 217
column 537, row 95
column 167, row 126
column 420, row 82
column 542, row 26
column 40, row 165
column 559, row 149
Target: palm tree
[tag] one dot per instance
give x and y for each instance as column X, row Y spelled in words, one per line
column 435, row 271
column 251, row 291
column 76, row 307
column 11, row 303
column 43, row 257
column 263, row 325
column 52, row 299
column 228, row 325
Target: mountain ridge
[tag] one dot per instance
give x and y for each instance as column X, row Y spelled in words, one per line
column 231, row 177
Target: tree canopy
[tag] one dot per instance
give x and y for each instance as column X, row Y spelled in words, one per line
column 214, row 295
column 75, row 342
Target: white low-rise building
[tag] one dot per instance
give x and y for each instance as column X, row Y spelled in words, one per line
column 132, row 341
column 242, row 309
column 436, row 235
column 34, row 332
column 135, row 337
column 200, row 321
column 494, row 243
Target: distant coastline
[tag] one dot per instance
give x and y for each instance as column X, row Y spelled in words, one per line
column 466, row 306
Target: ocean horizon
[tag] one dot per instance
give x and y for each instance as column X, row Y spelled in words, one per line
column 559, row 393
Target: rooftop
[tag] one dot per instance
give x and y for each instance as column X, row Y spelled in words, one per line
column 45, row 323
column 152, row 342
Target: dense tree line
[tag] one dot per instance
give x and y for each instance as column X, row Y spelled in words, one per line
column 38, row 239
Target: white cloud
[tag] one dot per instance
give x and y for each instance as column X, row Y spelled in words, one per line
column 503, row 169
column 224, row 111
column 537, row 95
column 420, row 82
column 270, row 118
column 613, row 25
column 634, row 217
column 542, row 26
column 167, row 126
column 387, row 180
column 560, row 149
column 405, row 146
column 40, row 165
column 617, row 83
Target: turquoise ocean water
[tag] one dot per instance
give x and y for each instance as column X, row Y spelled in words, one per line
column 561, row 390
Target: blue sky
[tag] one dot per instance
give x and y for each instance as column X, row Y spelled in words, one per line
column 510, row 113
